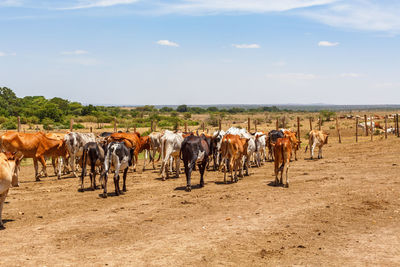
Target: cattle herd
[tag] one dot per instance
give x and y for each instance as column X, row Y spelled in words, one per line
column 233, row 151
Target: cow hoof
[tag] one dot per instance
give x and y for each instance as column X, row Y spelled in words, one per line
column 2, row 227
column 202, row 185
column 104, row 195
column 80, row 190
column 286, row 185
column 163, row 179
column 124, row 190
column 188, row 189
column 37, row 179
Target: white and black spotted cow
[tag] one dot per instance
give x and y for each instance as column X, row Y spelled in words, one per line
column 75, row 143
column 119, row 157
column 93, row 155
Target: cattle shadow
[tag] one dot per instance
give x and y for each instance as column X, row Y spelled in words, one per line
column 111, row 194
column 272, row 184
column 6, row 221
column 166, row 179
column 89, row 189
column 183, row 188
column 223, row 183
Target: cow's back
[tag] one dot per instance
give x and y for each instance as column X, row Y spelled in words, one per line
column 27, row 143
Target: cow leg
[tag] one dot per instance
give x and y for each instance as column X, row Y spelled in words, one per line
column 202, row 169
column 312, row 147
column 105, row 184
column 320, row 153
column 145, row 158
column 43, row 162
column 188, row 171
column 124, row 178
column 2, row 199
column 82, row 178
column 35, row 164
column 116, row 183
column 286, row 170
column 54, row 163
column 178, row 168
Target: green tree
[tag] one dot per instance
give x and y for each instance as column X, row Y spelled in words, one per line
column 182, row 108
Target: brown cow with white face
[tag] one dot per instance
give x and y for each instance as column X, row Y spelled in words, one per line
column 282, row 154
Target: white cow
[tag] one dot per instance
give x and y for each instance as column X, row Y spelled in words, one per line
column 155, row 146
column 261, row 147
column 170, row 149
column 317, row 138
column 75, row 143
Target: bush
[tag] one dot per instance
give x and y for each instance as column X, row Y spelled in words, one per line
column 78, row 126
column 47, row 124
column 187, row 116
column 9, row 125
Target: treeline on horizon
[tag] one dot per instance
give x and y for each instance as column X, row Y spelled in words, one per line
column 55, row 113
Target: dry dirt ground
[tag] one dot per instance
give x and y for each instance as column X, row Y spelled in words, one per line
column 342, row 210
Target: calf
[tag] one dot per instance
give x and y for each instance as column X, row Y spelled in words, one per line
column 120, row 157
column 95, row 153
column 261, row 153
column 9, row 164
column 293, row 140
column 282, row 153
column 194, row 150
column 317, row 138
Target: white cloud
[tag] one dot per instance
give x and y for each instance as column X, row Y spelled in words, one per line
column 3, row 54
column 10, row 3
column 98, row 3
column 75, row 52
column 368, row 15
column 327, row 43
column 292, row 76
column 81, row 61
column 351, row 75
column 246, row 46
column 253, row 6
column 167, row 43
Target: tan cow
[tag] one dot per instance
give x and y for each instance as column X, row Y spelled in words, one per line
column 293, row 140
column 233, row 150
column 317, row 138
column 9, row 164
column 282, row 154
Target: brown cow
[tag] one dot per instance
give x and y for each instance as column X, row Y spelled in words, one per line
column 9, row 164
column 282, row 154
column 233, row 150
column 31, row 145
column 59, row 155
column 293, row 139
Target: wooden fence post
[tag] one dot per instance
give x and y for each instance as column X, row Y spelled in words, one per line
column 19, row 123
column 386, row 126
column 134, row 128
column 310, row 124
column 219, row 125
column 372, row 130
column 298, row 129
column 151, row 126
column 71, row 125
column 277, row 124
column 115, row 124
column 319, row 123
column 284, row 122
column 397, row 125
column 255, row 125
column 248, row 124
column 338, row 130
column 186, row 127
column 366, row 125
column 356, row 129
column 91, row 129
column 155, row 126
column 203, row 126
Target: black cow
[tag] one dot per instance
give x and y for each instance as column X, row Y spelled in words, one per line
column 95, row 153
column 195, row 149
column 120, row 157
column 271, row 140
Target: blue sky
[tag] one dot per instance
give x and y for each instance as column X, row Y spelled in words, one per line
column 202, row 51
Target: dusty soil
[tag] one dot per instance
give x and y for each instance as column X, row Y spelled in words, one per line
column 342, row 210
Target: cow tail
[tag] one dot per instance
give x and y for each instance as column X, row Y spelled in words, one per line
column 283, row 158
